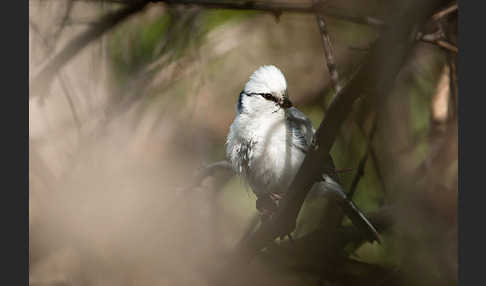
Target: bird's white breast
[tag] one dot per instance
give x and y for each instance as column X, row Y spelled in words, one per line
column 265, row 142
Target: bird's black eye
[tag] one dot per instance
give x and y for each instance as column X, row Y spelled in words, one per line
column 269, row 96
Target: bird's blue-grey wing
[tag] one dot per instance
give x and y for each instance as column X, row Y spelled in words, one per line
column 301, row 129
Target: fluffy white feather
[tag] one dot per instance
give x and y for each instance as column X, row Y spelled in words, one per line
column 260, row 142
column 267, row 78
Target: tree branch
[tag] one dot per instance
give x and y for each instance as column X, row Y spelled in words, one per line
column 374, row 159
column 274, row 7
column 362, row 162
column 444, row 12
column 41, row 83
column 328, row 51
column 60, row 76
column 437, row 38
column 277, row 8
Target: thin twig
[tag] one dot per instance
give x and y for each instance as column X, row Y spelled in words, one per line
column 67, row 93
column 443, row 44
column 43, row 40
column 379, row 173
column 437, row 38
column 374, row 160
column 62, row 79
column 41, row 83
column 62, row 23
column 328, row 52
column 362, row 163
column 444, row 12
column 447, row 45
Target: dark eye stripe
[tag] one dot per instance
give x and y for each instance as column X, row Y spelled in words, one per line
column 267, row 96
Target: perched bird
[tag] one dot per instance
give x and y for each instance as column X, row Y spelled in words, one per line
column 268, row 141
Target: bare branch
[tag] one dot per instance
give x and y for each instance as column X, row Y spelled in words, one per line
column 448, row 46
column 41, row 83
column 63, row 21
column 362, row 162
column 379, row 173
column 444, row 12
column 62, row 79
column 67, row 93
column 328, row 52
column 437, row 38
column 374, row 159
column 277, row 8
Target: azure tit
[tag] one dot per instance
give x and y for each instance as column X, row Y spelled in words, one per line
column 268, row 141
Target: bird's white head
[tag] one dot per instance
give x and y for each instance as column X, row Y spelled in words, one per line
column 265, row 92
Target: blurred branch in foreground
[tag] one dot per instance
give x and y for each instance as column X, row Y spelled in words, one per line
column 40, row 84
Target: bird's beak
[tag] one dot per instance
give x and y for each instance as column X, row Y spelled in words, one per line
column 285, row 102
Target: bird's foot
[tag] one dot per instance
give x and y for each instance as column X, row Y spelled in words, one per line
column 267, row 205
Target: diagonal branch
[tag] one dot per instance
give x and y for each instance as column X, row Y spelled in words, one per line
column 279, row 7
column 62, row 79
column 40, row 84
column 274, row 7
column 437, row 38
column 446, row 11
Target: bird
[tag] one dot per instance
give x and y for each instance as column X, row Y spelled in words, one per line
column 268, row 141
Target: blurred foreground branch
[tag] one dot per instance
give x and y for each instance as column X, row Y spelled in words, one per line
column 279, row 7
column 42, row 81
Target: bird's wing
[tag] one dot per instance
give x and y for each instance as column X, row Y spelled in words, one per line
column 301, row 128
column 303, row 131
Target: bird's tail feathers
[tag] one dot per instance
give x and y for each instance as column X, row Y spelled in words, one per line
column 357, row 217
